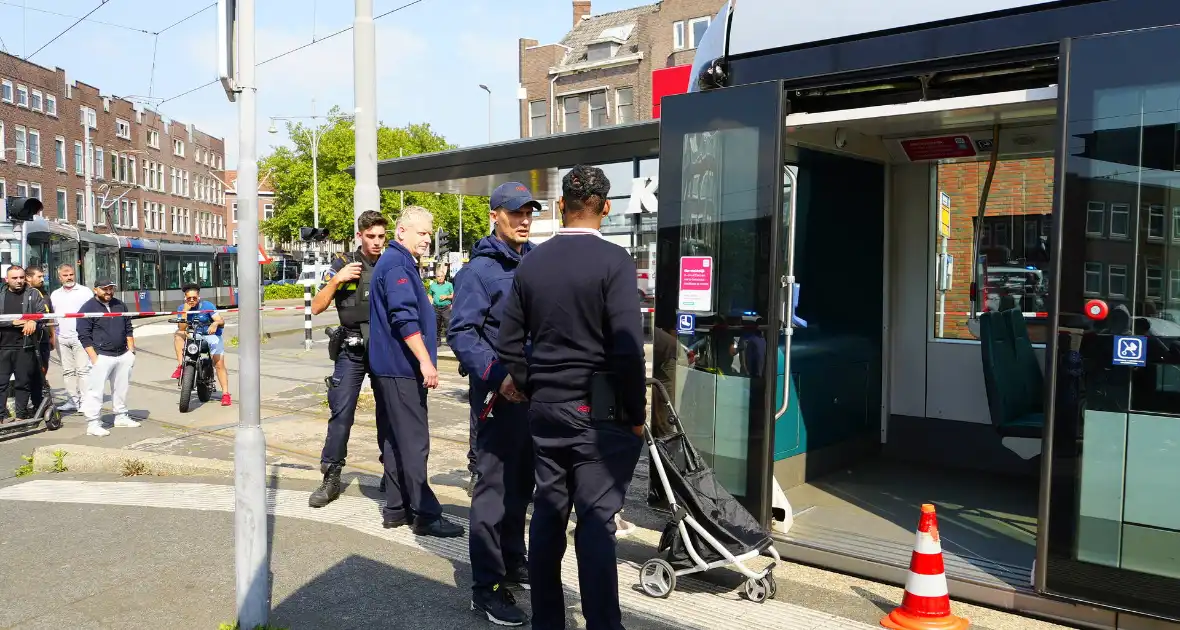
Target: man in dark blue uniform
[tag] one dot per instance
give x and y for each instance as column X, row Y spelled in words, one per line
column 574, row 300
column 347, row 285
column 402, row 355
column 503, row 446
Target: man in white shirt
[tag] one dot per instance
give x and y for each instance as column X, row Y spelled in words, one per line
column 75, row 364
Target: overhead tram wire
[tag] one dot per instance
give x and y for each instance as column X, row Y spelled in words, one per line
column 74, row 17
column 294, row 50
column 156, row 43
column 101, row 4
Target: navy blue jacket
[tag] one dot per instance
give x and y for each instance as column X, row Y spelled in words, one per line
column 398, row 310
column 107, row 335
column 482, row 283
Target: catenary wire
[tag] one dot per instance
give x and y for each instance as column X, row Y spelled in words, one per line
column 101, row 4
column 74, row 17
column 295, row 50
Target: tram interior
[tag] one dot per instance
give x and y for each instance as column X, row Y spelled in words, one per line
column 889, row 403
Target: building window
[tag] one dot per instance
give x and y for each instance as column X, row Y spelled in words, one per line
column 37, row 102
column 235, row 211
column 625, row 103
column 1120, row 220
column 122, row 129
column 1175, row 216
column 678, row 36
column 79, row 165
column 1116, row 281
column 6, row 91
column 3, row 151
column 1093, row 284
column 1095, row 218
column 572, row 121
column 78, row 209
column 1155, row 221
column 59, row 153
column 97, row 169
column 598, row 117
column 538, row 119
column 22, row 146
column 235, row 237
column 35, row 190
column 22, row 96
column 1155, row 283
column 61, row 204
column 696, row 31
column 3, row 190
column 1174, row 285
column 22, row 189
column 153, row 137
column 268, row 212
column 178, row 148
column 34, row 147
column 51, row 105
column 90, row 116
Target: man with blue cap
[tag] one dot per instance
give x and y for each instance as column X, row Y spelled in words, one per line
column 502, row 444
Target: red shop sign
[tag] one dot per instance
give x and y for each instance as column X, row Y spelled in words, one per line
column 938, row 148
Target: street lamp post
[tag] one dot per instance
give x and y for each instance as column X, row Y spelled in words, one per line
column 489, row 91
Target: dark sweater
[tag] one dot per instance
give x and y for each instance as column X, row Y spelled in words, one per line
column 107, row 335
column 574, row 297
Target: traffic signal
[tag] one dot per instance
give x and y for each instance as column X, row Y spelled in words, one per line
column 313, row 234
column 23, row 208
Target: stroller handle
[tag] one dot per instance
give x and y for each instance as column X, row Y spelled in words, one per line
column 673, row 417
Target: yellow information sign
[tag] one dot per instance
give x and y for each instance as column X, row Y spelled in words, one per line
column 944, row 215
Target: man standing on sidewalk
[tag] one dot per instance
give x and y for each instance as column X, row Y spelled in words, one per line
column 402, row 355
column 347, row 285
column 499, row 419
column 75, row 365
column 110, row 344
column 441, row 295
column 17, row 344
column 45, row 337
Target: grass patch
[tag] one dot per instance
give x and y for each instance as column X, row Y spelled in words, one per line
column 26, row 468
column 233, row 341
column 134, row 468
column 59, row 461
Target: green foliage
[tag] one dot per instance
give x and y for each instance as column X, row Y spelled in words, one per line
column 291, row 174
column 59, row 461
column 282, row 291
column 26, row 468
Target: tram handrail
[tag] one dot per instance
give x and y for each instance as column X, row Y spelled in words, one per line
column 788, row 301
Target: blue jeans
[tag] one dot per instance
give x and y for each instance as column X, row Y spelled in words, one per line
column 346, row 380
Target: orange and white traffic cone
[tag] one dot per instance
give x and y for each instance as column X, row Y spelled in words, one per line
column 926, row 604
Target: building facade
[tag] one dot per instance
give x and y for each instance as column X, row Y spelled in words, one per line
column 150, row 177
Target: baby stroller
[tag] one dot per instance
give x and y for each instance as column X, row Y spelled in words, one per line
column 709, row 528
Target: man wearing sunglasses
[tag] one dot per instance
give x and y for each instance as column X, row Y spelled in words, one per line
column 208, row 326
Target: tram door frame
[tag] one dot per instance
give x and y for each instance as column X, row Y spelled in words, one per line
column 760, row 106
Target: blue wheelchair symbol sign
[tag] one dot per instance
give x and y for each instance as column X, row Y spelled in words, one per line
column 686, row 323
column 1130, row 351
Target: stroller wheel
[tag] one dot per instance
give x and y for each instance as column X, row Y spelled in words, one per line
column 761, row 589
column 657, row 578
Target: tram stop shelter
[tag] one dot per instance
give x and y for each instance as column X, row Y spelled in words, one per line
column 950, row 232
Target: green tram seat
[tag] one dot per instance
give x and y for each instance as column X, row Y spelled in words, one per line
column 1011, row 374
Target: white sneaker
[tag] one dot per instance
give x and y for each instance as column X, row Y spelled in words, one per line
column 94, row 427
column 623, row 529
column 124, row 421
column 67, row 406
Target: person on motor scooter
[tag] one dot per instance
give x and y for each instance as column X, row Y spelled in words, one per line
column 347, row 285
column 208, row 326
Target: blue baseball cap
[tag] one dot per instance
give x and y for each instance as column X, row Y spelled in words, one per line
column 513, row 197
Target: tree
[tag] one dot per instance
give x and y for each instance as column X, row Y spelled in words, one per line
column 290, row 170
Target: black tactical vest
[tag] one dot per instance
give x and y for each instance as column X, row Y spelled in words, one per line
column 352, row 298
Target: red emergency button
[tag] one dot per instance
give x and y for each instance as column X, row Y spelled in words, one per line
column 1097, row 310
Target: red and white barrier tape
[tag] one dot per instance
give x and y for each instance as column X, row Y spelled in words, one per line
column 35, row 316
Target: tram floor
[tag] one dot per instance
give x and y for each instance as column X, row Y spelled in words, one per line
column 987, row 522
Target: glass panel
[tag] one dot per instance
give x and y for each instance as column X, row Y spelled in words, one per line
column 131, row 273
column 1114, row 531
column 721, row 189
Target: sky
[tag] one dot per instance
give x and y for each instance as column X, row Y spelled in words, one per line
column 431, row 58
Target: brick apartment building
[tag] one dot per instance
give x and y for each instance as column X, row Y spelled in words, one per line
column 266, row 207
column 152, row 177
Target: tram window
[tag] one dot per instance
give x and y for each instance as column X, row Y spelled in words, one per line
column 1013, row 238
column 188, row 271
column 171, row 272
column 148, row 274
column 225, row 268
column 205, row 273
column 131, row 273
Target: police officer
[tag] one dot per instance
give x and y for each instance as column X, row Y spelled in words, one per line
column 347, row 285
column 574, row 300
column 503, row 446
column 402, row 357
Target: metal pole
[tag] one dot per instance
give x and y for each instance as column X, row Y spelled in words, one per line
column 366, row 195
column 315, row 184
column 88, row 164
column 251, row 553
column 460, row 227
column 489, row 116
column 307, row 317
column 401, row 193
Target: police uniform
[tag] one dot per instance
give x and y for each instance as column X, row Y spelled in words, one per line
column 351, row 366
column 573, row 298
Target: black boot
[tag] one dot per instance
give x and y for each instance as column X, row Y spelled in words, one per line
column 329, row 490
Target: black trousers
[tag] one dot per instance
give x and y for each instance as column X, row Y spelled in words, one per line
column 20, row 363
column 586, row 466
column 343, row 392
column 442, row 319
column 405, row 447
column 503, row 489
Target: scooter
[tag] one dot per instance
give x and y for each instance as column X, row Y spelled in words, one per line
column 46, row 412
column 198, row 368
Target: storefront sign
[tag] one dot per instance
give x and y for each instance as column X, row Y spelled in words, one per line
column 938, row 148
column 696, row 283
column 643, row 195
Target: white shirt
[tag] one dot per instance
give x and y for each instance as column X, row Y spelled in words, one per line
column 69, row 301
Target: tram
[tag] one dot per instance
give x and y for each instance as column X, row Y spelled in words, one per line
column 149, row 273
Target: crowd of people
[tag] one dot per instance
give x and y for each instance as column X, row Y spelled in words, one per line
column 551, row 341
